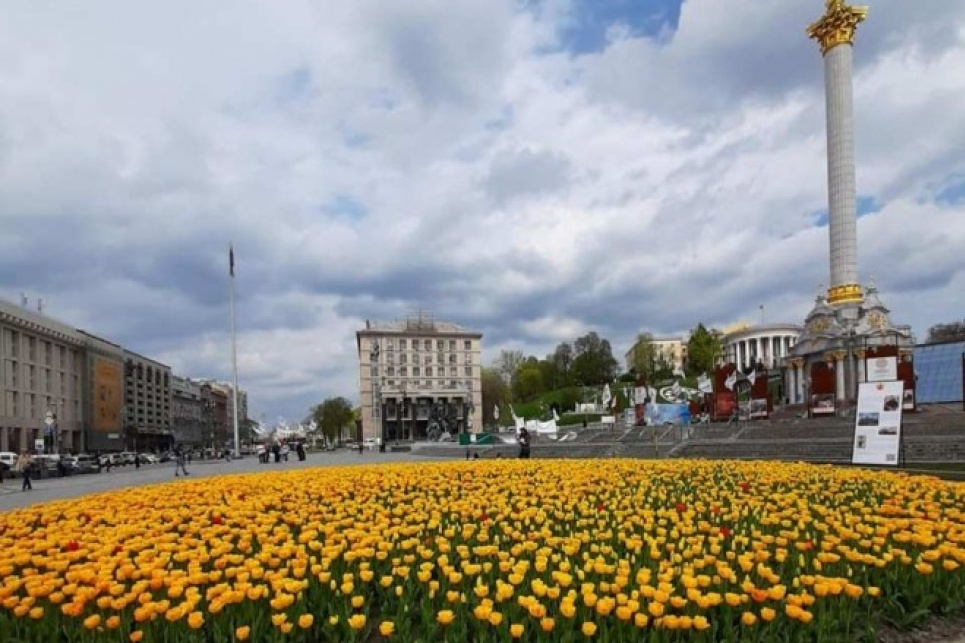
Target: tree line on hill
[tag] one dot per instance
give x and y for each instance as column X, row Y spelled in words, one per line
column 589, row 361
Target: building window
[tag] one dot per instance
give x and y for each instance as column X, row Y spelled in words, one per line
column 469, row 371
column 403, row 358
column 428, row 371
column 415, row 371
column 402, row 343
column 453, row 371
column 427, row 345
column 390, row 344
column 452, row 344
column 390, row 370
column 48, row 381
column 428, row 359
column 48, row 353
column 390, row 358
column 403, row 371
column 452, row 358
column 467, row 345
column 415, row 345
column 375, row 371
column 469, row 358
column 31, row 348
column 440, row 344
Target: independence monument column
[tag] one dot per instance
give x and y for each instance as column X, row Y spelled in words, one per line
column 835, row 33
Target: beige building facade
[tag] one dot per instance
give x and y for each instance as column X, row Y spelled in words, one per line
column 419, row 379
column 41, row 370
column 672, row 350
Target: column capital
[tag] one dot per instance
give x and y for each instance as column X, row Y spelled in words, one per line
column 837, row 26
column 861, row 353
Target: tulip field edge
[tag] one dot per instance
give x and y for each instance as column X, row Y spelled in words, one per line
column 496, row 550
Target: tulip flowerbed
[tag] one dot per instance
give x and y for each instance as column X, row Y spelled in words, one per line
column 598, row 550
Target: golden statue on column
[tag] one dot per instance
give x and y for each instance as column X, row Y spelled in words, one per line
column 838, row 24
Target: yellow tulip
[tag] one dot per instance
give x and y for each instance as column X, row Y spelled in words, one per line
column 588, row 628
column 516, row 630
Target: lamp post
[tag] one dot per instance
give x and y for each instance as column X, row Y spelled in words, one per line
column 402, row 410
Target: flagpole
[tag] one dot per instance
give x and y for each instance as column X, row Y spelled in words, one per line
column 234, row 348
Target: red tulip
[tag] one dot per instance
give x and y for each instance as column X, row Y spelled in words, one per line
column 72, row 546
column 744, row 485
column 681, row 507
column 217, row 520
column 725, row 532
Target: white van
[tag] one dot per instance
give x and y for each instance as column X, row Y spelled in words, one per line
column 9, row 460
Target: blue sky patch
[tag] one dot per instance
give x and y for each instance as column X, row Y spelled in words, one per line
column 954, row 191
column 592, row 19
column 343, row 206
column 866, row 205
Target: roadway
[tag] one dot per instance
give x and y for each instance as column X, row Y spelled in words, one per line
column 47, row 489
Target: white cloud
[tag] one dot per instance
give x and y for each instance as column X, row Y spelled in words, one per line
column 495, row 179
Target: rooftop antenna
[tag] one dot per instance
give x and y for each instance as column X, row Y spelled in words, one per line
column 40, row 305
column 23, row 299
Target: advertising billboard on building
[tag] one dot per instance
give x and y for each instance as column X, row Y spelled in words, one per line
column 877, row 430
column 107, row 395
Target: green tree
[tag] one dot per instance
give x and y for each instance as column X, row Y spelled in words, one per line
column 562, row 359
column 507, row 364
column 495, row 392
column 645, row 358
column 528, row 383
column 593, row 362
column 333, row 416
column 952, row 332
column 703, row 349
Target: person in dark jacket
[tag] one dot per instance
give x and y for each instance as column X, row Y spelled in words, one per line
column 523, row 440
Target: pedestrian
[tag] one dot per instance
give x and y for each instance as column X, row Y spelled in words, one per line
column 110, row 462
column 300, row 448
column 361, row 448
column 523, row 440
column 137, row 461
column 179, row 462
column 25, row 464
column 276, row 451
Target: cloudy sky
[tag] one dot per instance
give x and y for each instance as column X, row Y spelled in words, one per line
column 532, row 169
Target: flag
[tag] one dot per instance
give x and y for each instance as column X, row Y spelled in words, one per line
column 496, row 412
column 231, row 261
column 606, row 395
column 556, row 416
column 731, row 380
column 675, row 390
column 704, row 385
column 678, row 371
column 752, row 377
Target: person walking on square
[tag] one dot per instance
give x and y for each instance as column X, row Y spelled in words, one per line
column 179, row 462
column 137, row 461
column 24, row 464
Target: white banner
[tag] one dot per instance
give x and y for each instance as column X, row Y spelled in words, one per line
column 881, row 369
column 877, row 431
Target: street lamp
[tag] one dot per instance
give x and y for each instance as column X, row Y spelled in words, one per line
column 402, row 411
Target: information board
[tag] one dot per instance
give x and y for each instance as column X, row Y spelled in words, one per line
column 877, row 430
column 882, row 369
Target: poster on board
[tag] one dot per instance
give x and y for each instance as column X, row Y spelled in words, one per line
column 877, row 431
column 882, row 369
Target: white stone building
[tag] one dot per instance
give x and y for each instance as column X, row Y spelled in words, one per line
column 419, row 377
column 766, row 344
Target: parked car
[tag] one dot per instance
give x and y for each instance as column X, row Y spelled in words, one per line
column 149, row 458
column 86, row 463
column 114, row 459
column 45, row 466
column 9, row 458
column 70, row 464
column 127, row 457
